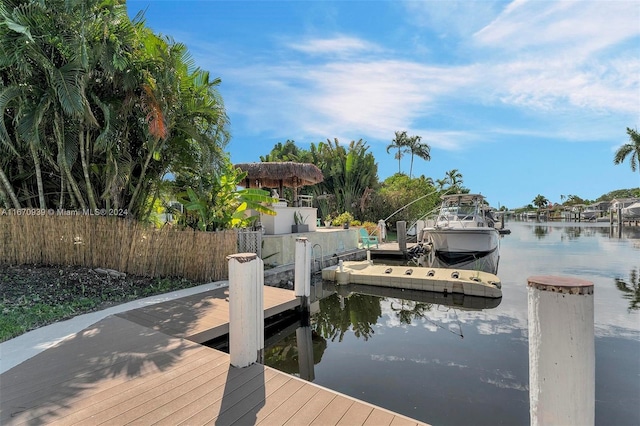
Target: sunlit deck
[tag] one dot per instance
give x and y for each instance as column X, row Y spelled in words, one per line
column 145, row 367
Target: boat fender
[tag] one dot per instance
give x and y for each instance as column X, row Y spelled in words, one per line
column 497, row 284
column 431, row 273
column 408, row 272
column 455, row 274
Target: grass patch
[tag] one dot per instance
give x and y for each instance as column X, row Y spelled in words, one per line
column 35, row 296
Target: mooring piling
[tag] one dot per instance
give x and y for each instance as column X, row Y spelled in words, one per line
column 561, row 351
column 246, row 309
column 302, row 272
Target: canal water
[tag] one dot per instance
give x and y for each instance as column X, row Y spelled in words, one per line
column 458, row 360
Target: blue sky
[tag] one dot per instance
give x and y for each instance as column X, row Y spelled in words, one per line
column 522, row 97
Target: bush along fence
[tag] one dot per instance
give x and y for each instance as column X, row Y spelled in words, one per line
column 115, row 243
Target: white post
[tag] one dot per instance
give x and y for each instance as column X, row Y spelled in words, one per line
column 368, row 256
column 382, row 230
column 561, row 351
column 246, row 309
column 302, row 268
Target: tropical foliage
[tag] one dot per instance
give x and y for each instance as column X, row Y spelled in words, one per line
column 402, row 198
column 95, row 109
column 218, row 203
column 350, row 176
column 630, row 149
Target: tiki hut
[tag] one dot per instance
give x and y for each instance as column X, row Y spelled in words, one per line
column 280, row 175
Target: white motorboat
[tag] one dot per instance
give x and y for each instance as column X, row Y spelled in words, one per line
column 631, row 211
column 463, row 229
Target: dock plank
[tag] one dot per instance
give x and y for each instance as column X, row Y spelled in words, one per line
column 283, row 405
column 129, row 369
column 333, row 412
column 312, row 409
column 111, row 396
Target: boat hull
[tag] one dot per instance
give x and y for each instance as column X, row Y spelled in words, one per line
column 454, row 244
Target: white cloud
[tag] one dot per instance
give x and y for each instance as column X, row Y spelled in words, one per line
column 335, row 45
column 549, row 60
column 581, row 27
column 452, row 18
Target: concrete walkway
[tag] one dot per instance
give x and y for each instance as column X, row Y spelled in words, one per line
column 27, row 345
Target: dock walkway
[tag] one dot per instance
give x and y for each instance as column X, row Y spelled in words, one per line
column 146, row 366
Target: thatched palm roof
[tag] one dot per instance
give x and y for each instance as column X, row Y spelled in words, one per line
column 280, row 174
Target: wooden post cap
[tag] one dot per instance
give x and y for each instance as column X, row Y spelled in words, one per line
column 565, row 285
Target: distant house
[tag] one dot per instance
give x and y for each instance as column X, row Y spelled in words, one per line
column 620, row 203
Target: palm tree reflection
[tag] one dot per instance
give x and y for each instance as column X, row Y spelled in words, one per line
column 337, row 315
column 631, row 289
column 410, row 310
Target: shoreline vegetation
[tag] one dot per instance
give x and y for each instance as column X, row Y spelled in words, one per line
column 34, row 296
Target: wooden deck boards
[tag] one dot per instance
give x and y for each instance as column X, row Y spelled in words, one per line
column 204, row 316
column 128, row 369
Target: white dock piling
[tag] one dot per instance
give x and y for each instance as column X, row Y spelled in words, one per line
column 561, row 351
column 302, row 268
column 246, row 309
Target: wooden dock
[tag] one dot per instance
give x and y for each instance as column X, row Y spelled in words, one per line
column 146, row 367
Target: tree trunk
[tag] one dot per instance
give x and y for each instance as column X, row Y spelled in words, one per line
column 140, row 180
column 36, row 164
column 62, row 185
column 64, row 167
column 9, row 189
column 85, row 170
column 411, row 167
column 25, row 190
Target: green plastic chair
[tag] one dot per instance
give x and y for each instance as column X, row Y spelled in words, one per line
column 368, row 240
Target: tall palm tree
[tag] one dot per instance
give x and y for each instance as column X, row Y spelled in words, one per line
column 631, row 149
column 417, row 148
column 454, row 177
column 400, row 143
column 540, row 201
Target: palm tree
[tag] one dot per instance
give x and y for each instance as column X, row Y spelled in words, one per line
column 454, row 177
column 632, row 149
column 540, row 201
column 440, row 183
column 400, row 143
column 418, row 148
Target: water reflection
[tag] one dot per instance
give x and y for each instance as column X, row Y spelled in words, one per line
column 540, row 231
column 356, row 309
column 414, row 361
column 631, row 289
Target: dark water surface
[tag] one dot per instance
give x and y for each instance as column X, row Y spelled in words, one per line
column 462, row 361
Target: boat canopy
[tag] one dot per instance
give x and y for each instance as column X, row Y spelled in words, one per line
column 463, row 197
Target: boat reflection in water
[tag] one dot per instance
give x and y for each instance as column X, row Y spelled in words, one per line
column 356, row 309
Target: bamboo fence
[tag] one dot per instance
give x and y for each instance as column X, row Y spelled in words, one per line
column 115, row 243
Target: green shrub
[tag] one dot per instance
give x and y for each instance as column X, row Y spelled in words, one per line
column 343, row 218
